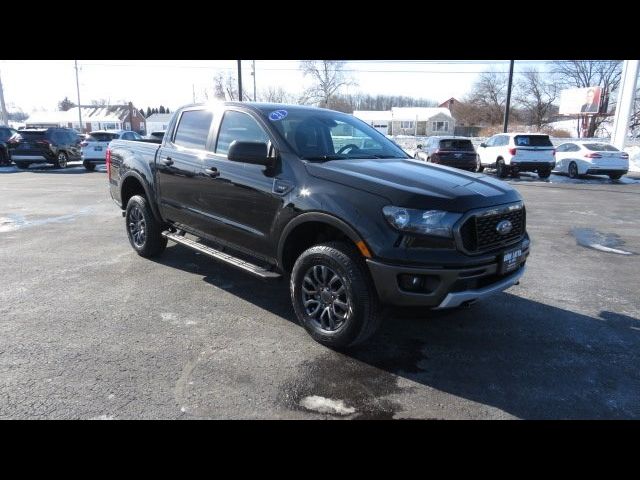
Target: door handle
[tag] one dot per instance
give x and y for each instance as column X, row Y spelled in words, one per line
column 212, row 172
column 167, row 161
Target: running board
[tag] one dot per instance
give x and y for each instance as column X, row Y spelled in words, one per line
column 224, row 257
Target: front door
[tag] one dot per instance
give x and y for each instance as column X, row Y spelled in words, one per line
column 238, row 198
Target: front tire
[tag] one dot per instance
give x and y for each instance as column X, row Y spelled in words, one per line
column 89, row 166
column 61, row 160
column 143, row 230
column 573, row 170
column 479, row 167
column 333, row 295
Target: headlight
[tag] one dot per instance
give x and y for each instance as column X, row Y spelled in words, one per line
column 427, row 222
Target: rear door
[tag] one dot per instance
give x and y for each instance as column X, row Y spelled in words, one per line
column 533, row 148
column 486, row 156
column 178, row 164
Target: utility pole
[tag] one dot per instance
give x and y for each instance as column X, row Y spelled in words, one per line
column 79, row 107
column 253, row 72
column 3, row 109
column 508, row 106
column 240, row 80
column 624, row 108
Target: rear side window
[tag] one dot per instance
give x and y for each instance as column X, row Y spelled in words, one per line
column 532, row 141
column 241, row 127
column 193, row 129
column 600, row 147
column 450, row 144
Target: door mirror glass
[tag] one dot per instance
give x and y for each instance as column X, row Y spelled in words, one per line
column 255, row 153
column 483, row 145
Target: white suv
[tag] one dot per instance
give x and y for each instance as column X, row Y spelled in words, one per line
column 518, row 152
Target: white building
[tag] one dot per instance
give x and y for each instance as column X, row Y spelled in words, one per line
column 158, row 122
column 378, row 119
column 420, row 121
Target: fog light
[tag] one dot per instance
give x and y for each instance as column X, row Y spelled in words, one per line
column 411, row 282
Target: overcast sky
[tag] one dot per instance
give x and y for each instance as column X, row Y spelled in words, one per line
column 31, row 84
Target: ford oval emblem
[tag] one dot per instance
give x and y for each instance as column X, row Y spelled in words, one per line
column 504, row 227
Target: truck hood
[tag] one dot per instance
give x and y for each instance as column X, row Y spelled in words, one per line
column 415, row 184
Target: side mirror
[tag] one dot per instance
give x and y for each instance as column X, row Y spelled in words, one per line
column 483, row 145
column 249, row 152
column 419, row 146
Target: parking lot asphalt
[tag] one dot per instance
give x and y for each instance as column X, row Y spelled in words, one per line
column 90, row 330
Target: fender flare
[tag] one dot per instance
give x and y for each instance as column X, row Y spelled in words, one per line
column 147, row 191
column 327, row 218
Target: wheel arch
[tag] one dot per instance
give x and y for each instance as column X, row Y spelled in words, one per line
column 132, row 184
column 309, row 227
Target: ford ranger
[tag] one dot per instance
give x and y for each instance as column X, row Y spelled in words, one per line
column 322, row 199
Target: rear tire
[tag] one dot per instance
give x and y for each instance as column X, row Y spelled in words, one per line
column 544, row 174
column 479, row 167
column 501, row 168
column 615, row 176
column 573, row 170
column 328, row 277
column 89, row 166
column 143, row 230
column 22, row 165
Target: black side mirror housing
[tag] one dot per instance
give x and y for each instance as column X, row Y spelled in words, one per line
column 483, row 144
column 419, row 147
column 255, row 153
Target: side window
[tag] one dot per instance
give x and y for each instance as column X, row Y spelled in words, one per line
column 562, row 148
column 491, row 142
column 128, row 136
column 241, row 127
column 573, row 148
column 193, row 129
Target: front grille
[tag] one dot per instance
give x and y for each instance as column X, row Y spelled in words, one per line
column 478, row 233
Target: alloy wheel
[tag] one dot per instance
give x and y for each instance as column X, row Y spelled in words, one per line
column 325, row 298
column 137, row 227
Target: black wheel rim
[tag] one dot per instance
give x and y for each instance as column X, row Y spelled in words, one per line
column 137, row 227
column 62, row 160
column 325, row 298
column 573, row 171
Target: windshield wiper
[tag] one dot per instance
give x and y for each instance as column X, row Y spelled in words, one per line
column 324, row 158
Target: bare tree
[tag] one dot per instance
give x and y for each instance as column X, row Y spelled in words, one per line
column 276, row 95
column 225, row 87
column 328, row 77
column 591, row 73
column 536, row 96
column 486, row 101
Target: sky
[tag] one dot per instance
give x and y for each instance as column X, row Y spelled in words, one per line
column 40, row 84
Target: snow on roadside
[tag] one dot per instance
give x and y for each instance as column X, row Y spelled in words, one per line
column 634, row 158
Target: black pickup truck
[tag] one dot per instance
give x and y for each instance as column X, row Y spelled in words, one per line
column 323, row 199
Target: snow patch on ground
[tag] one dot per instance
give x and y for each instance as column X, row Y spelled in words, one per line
column 326, row 405
column 103, row 417
column 634, row 158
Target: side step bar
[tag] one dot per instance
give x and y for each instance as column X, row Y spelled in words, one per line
column 218, row 255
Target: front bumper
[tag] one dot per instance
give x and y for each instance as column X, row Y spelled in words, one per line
column 532, row 166
column 447, row 287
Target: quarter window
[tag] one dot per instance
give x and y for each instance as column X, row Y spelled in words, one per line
column 241, row 127
column 193, row 129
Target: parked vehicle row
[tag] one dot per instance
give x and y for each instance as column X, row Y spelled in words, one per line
column 512, row 153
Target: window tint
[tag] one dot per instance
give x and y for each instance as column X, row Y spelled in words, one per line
column 600, row 147
column 532, row 141
column 101, row 137
column 193, row 129
column 128, row 136
column 573, row 148
column 451, row 144
column 241, row 127
column 491, row 142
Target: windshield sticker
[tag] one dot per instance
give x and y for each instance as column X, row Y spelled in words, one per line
column 278, row 115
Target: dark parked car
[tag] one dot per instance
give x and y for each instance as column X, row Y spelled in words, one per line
column 455, row 152
column 57, row 146
column 350, row 221
column 159, row 135
column 8, row 141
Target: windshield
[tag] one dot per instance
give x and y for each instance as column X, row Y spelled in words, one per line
column 326, row 135
column 464, row 145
